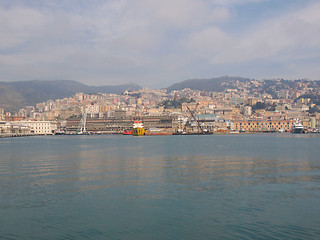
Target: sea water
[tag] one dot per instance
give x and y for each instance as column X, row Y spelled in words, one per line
column 243, row 186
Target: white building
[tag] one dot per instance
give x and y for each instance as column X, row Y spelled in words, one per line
column 7, row 128
column 247, row 111
column 92, row 109
column 40, row 127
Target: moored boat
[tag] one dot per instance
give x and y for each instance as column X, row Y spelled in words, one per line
column 297, row 127
column 138, row 129
column 158, row 133
column 127, row 132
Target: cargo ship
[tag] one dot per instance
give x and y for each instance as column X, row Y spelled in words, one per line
column 138, row 129
column 157, row 131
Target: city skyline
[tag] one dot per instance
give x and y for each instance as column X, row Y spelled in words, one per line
column 158, row 44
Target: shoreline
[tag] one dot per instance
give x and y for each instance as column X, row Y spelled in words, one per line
column 154, row 134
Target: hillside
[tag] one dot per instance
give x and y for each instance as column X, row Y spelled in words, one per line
column 212, row 84
column 16, row 95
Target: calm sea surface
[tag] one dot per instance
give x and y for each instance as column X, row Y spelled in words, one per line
column 256, row 186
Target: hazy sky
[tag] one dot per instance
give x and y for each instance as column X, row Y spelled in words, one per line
column 158, row 42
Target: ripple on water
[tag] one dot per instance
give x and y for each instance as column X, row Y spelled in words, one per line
column 107, row 187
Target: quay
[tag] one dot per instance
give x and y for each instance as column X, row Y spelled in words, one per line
column 7, row 135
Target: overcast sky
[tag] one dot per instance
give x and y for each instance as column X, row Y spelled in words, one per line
column 156, row 43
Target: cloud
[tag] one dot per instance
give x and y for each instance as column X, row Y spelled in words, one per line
column 143, row 40
column 208, row 42
column 112, row 34
column 275, row 37
column 234, row 2
column 19, row 24
column 183, row 13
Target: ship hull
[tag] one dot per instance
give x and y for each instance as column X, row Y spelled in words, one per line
column 138, row 131
column 297, row 130
column 127, row 132
column 158, row 133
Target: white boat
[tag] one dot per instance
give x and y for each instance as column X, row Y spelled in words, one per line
column 297, row 127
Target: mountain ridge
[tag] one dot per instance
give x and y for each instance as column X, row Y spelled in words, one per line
column 16, row 95
column 209, row 84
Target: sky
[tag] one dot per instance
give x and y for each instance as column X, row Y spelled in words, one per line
column 157, row 43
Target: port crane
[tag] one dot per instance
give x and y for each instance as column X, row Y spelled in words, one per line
column 82, row 124
column 200, row 130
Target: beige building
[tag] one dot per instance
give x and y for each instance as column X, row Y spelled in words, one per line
column 263, row 125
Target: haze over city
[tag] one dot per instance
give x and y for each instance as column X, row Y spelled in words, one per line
column 158, row 43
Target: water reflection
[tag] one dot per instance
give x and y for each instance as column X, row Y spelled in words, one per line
column 87, row 169
column 225, row 187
